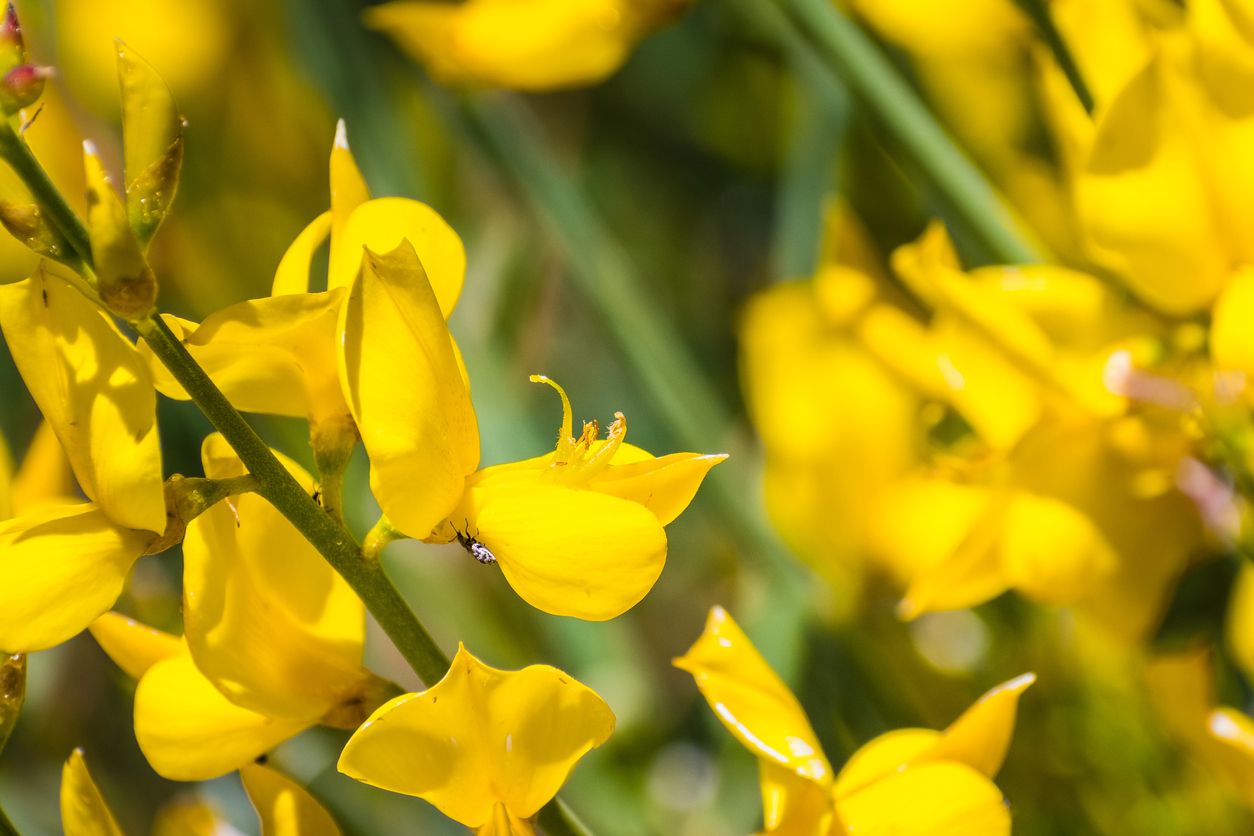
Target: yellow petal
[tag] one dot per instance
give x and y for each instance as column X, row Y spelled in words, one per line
column 1051, row 552
column 186, row 816
column 45, row 477
column 292, row 275
column 941, row 536
column 1234, row 733
column 381, row 225
column 505, row 823
column 188, row 731
column 481, row 736
column 267, row 620
column 126, row 283
column 663, row 485
column 1146, row 204
column 94, row 390
column 407, row 395
column 63, row 566
column 274, row 355
column 284, row 807
column 83, row 810
column 936, row 799
column 792, row 805
column 751, row 701
column 981, row 736
column 1239, row 626
column 132, row 646
column 535, row 46
column 348, row 191
column 571, row 552
column 1231, row 342
column 6, row 480
column 152, row 134
column 885, row 755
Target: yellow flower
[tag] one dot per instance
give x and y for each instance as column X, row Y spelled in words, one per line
column 1161, row 174
column 272, row 646
column 909, row 781
column 283, row 806
column 65, row 564
column 487, row 747
column 990, row 444
column 278, row 355
column 535, row 45
column 578, row 531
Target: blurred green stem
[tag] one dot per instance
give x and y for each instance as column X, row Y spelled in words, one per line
column 853, row 57
column 279, row 487
column 1038, row 11
column 6, row 826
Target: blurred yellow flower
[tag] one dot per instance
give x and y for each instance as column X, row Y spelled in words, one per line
column 909, row 781
column 578, row 531
column 65, row 564
column 998, row 440
column 1161, row 174
column 533, row 45
column 487, row 747
column 272, row 646
column 284, row 807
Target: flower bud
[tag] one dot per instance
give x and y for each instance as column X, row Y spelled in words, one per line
column 21, row 83
column 26, row 222
column 126, row 283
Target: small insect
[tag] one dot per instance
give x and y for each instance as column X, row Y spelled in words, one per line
column 477, row 550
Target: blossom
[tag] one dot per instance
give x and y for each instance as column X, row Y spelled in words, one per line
column 272, row 641
column 278, row 354
column 579, row 531
column 530, row 46
column 909, row 781
column 66, row 564
column 1000, row 439
column 487, row 747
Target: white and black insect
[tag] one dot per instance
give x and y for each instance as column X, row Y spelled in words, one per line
column 477, row 550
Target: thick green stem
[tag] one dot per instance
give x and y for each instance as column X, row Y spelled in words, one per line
column 852, row 56
column 279, row 487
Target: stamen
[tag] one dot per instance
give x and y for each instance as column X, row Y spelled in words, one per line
column 565, row 436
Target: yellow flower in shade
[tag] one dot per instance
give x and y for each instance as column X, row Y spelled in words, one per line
column 905, row 782
column 65, row 564
column 578, row 531
column 284, row 807
column 272, row 646
column 487, row 747
column 532, row 45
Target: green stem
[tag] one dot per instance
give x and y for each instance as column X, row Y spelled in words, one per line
column 282, row 490
column 15, row 151
column 1044, row 22
column 556, row 819
column 852, row 56
column 6, row 826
